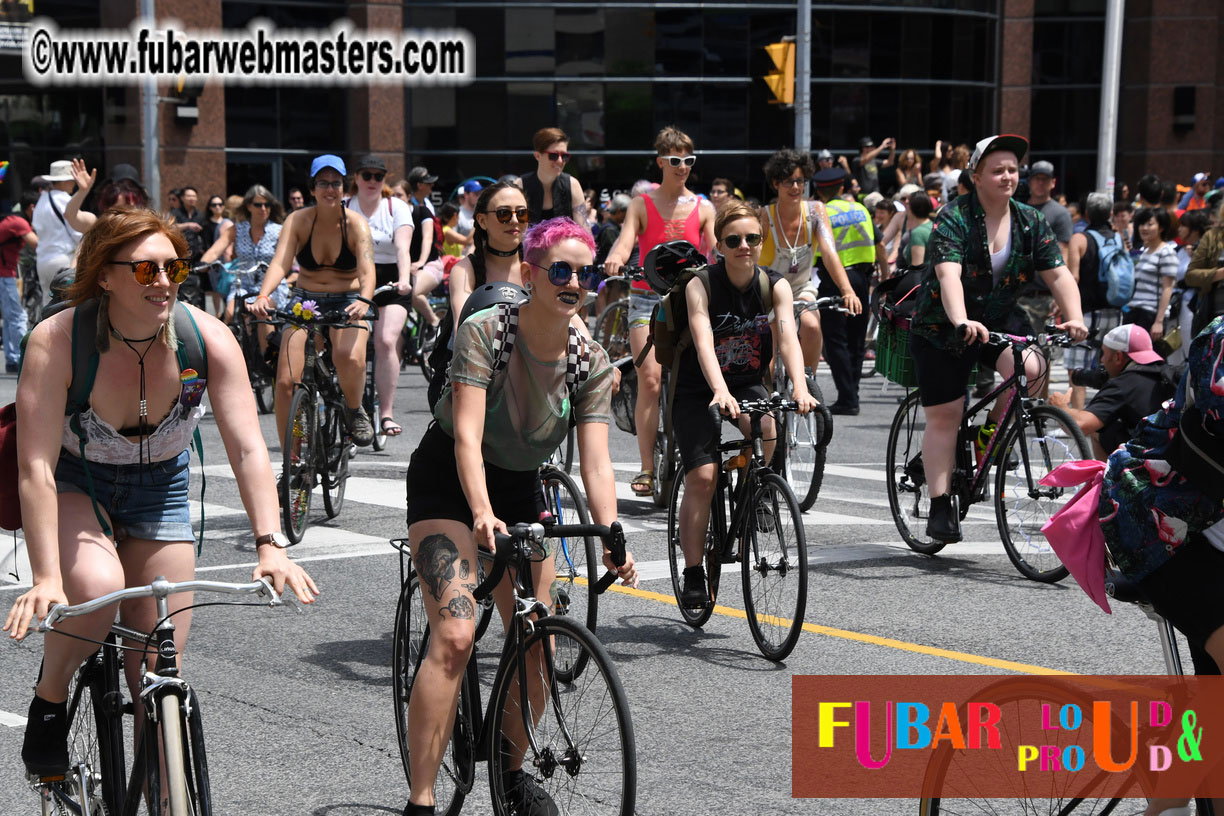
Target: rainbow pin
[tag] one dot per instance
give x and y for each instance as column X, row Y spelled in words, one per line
column 188, row 376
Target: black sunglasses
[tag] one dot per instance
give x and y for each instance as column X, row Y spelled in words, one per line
column 556, row 155
column 792, row 182
column 504, row 214
column 216, row 203
column 589, row 276
column 263, row 205
column 368, row 176
column 676, row 161
column 146, row 272
column 734, row 241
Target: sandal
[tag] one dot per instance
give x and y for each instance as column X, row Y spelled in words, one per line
column 643, row 483
column 393, row 430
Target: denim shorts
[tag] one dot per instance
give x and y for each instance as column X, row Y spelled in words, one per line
column 146, row 501
column 327, row 301
column 641, row 307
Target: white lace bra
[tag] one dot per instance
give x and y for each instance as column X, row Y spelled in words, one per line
column 105, row 445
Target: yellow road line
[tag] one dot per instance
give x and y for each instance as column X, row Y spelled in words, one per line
column 861, row 637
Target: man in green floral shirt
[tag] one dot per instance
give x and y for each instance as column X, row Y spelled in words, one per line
column 985, row 248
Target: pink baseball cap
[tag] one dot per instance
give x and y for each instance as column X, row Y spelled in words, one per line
column 1134, row 341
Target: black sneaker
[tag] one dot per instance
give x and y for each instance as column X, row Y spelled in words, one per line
column 45, row 748
column 694, row 593
column 360, row 427
column 943, row 524
column 526, row 798
column 418, row 810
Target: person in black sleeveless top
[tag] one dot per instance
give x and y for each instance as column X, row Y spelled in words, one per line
column 313, row 235
column 550, row 191
column 733, row 343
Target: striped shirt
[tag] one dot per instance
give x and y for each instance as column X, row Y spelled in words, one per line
column 1150, row 267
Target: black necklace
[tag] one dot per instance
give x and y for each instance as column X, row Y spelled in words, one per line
column 144, row 403
column 501, row 253
column 115, row 334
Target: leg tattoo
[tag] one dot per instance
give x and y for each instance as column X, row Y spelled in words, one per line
column 437, row 556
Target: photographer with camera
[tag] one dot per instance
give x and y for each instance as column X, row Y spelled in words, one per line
column 1132, row 384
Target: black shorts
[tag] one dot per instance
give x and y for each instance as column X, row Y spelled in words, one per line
column 694, row 429
column 943, row 376
column 434, row 490
column 385, row 273
column 1186, row 590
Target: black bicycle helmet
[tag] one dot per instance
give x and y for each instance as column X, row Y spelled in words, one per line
column 663, row 264
column 491, row 294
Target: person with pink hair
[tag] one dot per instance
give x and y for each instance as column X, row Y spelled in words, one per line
column 506, row 408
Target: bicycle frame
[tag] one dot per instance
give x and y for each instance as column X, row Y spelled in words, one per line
column 738, row 496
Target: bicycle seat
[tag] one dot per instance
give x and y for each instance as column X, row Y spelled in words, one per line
column 1123, row 589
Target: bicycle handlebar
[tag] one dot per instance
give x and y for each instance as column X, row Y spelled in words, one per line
column 160, row 588
column 612, row 536
column 830, row 302
column 757, row 406
column 1053, row 336
column 629, row 273
column 334, row 320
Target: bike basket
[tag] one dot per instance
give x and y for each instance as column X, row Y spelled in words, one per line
column 893, row 358
column 625, row 399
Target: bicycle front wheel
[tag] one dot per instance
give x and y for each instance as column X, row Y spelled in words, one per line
column 905, row 480
column 774, row 561
column 409, row 646
column 297, row 476
column 805, row 455
column 187, row 790
column 581, row 753
column 1022, row 504
column 338, row 452
column 612, row 329
column 576, row 562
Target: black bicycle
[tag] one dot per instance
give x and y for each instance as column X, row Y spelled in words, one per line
column 1032, row 439
column 317, row 447
column 758, row 523
column 170, row 768
column 575, row 736
column 260, row 372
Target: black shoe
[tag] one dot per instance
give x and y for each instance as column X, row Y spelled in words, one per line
column 45, row 748
column 694, row 596
column 943, row 524
column 10, row 368
column 841, row 409
column 418, row 810
column 359, row 427
column 525, row 798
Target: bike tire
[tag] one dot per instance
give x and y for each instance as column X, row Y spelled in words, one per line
column 410, row 642
column 585, row 755
column 665, row 467
column 174, row 751
column 95, row 735
column 577, row 565
column 693, row 616
column 369, row 401
column 1052, row 439
column 774, row 565
column 298, row 469
column 612, row 329
column 909, row 501
column 265, row 392
column 338, row 455
column 199, row 788
column 427, row 345
column 805, row 457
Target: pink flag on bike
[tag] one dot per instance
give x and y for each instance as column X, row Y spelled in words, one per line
column 1075, row 531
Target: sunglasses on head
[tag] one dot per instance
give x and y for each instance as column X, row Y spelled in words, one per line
column 146, row 272
column 504, row 214
column 368, row 175
column 557, row 155
column 676, row 161
column 589, row 276
column 733, row 241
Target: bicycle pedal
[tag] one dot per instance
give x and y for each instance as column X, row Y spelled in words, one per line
column 40, row 779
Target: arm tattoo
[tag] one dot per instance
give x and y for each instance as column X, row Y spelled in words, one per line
column 580, row 213
column 460, row 608
column 436, row 559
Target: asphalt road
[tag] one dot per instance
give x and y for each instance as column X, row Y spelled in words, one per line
column 298, row 707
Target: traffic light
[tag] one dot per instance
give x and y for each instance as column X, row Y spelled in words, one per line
column 781, row 81
column 186, row 92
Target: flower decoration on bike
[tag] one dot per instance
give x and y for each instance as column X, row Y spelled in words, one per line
column 306, row 309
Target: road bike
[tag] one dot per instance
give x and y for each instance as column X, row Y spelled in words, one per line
column 757, row 522
column 260, row 372
column 1032, row 439
column 317, row 447
column 576, row 738
column 170, row 768
column 952, row 780
column 800, row 457
column 612, row 328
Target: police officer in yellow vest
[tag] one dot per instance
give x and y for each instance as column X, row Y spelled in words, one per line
column 860, row 251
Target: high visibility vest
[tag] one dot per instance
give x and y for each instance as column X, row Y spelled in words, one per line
column 853, row 232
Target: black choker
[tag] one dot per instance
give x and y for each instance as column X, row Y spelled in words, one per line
column 115, row 334
column 501, row 253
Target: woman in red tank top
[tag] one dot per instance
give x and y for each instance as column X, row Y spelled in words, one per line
column 669, row 213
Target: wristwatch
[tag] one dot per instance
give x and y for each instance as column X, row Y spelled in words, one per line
column 278, row 540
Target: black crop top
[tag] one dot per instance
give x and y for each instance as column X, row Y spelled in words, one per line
column 345, row 261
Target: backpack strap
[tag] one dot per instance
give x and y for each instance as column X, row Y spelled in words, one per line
column 84, row 370
column 504, row 333
column 577, row 361
column 766, row 289
column 191, row 353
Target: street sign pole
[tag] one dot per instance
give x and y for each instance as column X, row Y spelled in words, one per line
column 1111, row 70
column 803, row 77
column 148, row 102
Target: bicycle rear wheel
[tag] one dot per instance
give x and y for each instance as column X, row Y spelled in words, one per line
column 409, row 645
column 264, row 387
column 298, row 472
column 577, row 564
column 338, row 452
column 1022, row 504
column 774, row 561
column 612, row 329
column 585, row 758
column 908, row 497
column 802, row 438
